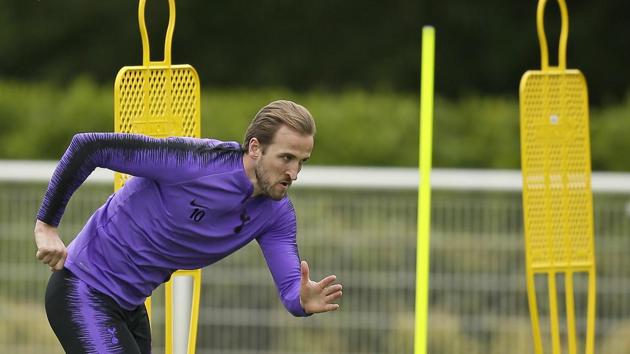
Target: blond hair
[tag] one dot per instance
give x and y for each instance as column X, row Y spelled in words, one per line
column 274, row 115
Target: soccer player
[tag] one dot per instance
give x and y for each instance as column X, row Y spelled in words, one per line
column 190, row 203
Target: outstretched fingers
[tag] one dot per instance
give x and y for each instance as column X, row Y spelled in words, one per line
column 324, row 283
column 334, row 296
column 331, row 292
column 304, row 271
column 332, row 289
column 331, row 307
column 318, row 296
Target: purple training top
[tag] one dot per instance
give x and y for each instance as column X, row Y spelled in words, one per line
column 188, row 206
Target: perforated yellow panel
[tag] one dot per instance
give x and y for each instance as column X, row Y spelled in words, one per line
column 556, row 170
column 160, row 100
column 557, row 197
column 157, row 100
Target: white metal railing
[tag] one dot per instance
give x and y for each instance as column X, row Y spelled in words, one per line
column 354, row 177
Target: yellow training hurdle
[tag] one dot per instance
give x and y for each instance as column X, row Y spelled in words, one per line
column 557, row 197
column 161, row 100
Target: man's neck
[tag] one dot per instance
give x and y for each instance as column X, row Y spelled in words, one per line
column 249, row 164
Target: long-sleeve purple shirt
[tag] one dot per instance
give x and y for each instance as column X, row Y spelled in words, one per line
column 188, row 206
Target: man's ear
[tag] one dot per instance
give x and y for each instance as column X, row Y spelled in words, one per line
column 255, row 149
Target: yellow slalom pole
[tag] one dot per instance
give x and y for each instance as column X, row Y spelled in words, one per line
column 424, row 190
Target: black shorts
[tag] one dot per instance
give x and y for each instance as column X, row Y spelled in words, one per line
column 87, row 321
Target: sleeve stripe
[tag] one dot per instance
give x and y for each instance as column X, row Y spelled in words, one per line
column 90, row 150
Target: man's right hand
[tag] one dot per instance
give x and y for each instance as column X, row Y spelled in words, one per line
column 50, row 248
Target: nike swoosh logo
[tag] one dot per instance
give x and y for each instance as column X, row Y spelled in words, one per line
column 192, row 202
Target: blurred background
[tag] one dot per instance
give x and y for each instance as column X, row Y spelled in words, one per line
column 355, row 65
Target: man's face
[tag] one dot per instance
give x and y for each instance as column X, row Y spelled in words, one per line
column 281, row 161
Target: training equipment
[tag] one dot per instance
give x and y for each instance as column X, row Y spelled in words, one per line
column 557, row 198
column 424, row 190
column 161, row 100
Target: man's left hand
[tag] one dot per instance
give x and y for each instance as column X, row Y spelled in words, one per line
column 318, row 296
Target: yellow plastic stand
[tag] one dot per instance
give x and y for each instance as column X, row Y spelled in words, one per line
column 557, row 197
column 161, row 100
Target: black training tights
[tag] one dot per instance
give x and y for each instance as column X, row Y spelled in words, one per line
column 87, row 321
